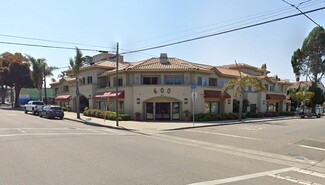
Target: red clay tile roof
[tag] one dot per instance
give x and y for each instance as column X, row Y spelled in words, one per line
column 242, row 65
column 230, row 72
column 174, row 64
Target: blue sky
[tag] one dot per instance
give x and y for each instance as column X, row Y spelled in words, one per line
column 137, row 24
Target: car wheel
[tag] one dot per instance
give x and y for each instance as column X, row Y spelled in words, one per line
column 39, row 115
column 61, row 117
column 33, row 112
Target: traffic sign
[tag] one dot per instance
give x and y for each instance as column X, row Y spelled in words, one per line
column 194, row 95
column 193, row 86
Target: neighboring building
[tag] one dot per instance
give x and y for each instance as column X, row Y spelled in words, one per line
column 309, row 83
column 160, row 88
column 27, row 94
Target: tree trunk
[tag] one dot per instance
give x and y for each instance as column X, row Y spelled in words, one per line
column 240, row 111
column 77, row 96
column 17, row 92
column 40, row 92
column 3, row 92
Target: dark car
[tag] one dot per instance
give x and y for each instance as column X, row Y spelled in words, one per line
column 51, row 112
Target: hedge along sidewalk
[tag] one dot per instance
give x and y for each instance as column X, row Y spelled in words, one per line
column 161, row 126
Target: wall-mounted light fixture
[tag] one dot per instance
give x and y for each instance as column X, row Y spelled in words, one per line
column 264, row 102
column 138, row 100
column 229, row 101
column 89, row 97
column 185, row 100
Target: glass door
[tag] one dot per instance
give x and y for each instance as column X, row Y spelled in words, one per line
column 149, row 111
column 162, row 111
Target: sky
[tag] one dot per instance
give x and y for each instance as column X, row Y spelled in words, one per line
column 138, row 24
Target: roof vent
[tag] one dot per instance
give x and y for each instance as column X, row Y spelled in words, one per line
column 163, row 58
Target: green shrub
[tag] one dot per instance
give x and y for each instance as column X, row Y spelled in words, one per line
column 86, row 113
column 86, row 108
column 124, row 117
column 217, row 117
column 93, row 112
column 64, row 108
column 207, row 117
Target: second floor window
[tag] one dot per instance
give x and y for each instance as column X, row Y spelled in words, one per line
column 89, row 80
column 65, row 88
column 249, row 88
column 202, row 81
column 174, row 80
column 149, row 80
column 120, row 82
column 213, row 82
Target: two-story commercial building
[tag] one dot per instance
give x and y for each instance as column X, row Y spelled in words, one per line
column 160, row 88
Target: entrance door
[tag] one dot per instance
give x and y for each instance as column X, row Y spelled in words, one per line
column 162, row 111
column 149, row 111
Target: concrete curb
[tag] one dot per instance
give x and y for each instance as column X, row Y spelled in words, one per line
column 229, row 123
column 215, row 124
column 98, row 124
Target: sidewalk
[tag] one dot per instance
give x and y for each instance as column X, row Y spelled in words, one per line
column 155, row 126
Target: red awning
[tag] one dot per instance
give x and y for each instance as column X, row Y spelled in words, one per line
column 109, row 94
column 275, row 97
column 98, row 95
column 120, row 94
column 215, row 94
column 63, row 98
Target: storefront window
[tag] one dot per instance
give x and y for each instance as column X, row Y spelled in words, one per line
column 212, row 107
column 176, row 110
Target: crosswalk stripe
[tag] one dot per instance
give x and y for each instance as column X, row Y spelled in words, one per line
column 294, row 180
column 316, row 174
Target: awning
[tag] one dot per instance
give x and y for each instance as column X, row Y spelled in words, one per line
column 63, row 98
column 275, row 97
column 120, row 94
column 215, row 94
column 110, row 95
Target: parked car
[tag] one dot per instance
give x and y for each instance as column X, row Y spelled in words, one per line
column 34, row 107
column 51, row 112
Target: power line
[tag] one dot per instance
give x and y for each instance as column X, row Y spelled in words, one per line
column 296, row 7
column 49, row 40
column 237, row 20
column 223, row 32
column 45, row 46
column 244, row 22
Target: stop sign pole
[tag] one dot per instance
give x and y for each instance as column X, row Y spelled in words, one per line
column 193, row 97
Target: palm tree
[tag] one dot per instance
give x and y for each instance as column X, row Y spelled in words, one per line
column 62, row 74
column 76, row 63
column 300, row 94
column 37, row 72
column 239, row 85
column 40, row 70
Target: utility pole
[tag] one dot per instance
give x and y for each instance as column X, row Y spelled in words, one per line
column 45, row 96
column 116, row 93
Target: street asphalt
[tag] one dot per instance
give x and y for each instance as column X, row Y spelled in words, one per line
column 41, row 151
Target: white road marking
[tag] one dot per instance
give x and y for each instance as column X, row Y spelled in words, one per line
column 23, row 131
column 311, row 147
column 227, row 135
column 316, row 174
column 51, row 134
column 245, row 177
column 252, row 128
column 294, row 180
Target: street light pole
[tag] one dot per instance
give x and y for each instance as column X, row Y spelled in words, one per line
column 116, row 93
column 45, row 96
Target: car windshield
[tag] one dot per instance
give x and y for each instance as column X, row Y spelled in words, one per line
column 55, row 108
column 38, row 103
